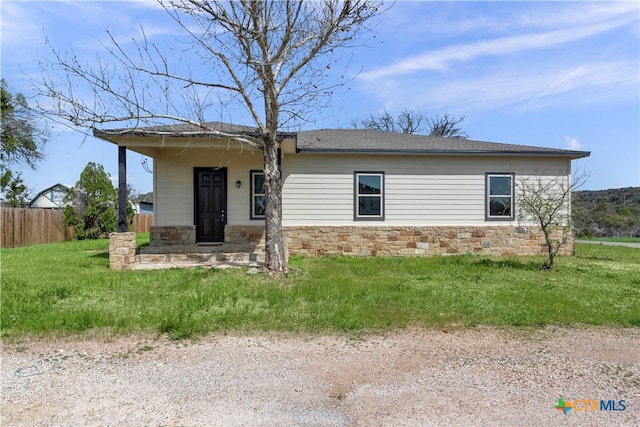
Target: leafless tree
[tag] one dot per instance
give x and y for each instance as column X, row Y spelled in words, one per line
column 414, row 122
column 273, row 57
column 546, row 202
column 446, row 126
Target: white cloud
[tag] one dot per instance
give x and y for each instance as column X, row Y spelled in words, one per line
column 532, row 88
column 20, row 25
column 597, row 80
column 453, row 18
column 443, row 59
column 554, row 54
column 573, row 143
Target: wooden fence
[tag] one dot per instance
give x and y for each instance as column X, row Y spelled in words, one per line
column 26, row 227
column 142, row 223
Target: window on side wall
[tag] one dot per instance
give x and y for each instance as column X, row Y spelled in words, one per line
column 368, row 196
column 257, row 195
column 499, row 188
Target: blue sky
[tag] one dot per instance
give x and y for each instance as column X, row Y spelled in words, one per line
column 554, row 74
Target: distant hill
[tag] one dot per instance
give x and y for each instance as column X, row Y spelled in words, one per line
column 607, row 213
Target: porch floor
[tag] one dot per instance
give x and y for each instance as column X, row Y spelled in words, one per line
column 191, row 256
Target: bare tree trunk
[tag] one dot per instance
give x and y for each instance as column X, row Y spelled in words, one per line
column 551, row 250
column 275, row 258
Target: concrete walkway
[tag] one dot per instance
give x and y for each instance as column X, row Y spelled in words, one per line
column 597, row 242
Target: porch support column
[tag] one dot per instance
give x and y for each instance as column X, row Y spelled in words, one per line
column 122, row 189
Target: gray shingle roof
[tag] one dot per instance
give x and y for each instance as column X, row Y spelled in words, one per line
column 376, row 142
column 349, row 141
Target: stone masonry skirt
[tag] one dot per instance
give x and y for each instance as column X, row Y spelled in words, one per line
column 418, row 241
column 380, row 240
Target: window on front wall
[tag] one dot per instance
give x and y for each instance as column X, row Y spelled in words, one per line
column 257, row 195
column 369, row 196
column 500, row 201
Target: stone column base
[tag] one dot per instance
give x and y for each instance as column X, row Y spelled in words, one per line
column 122, row 250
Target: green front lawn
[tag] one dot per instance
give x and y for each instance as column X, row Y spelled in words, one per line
column 610, row 239
column 68, row 288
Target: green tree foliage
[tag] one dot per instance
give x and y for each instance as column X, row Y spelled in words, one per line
column 22, row 143
column 94, row 204
column 607, row 213
column 14, row 189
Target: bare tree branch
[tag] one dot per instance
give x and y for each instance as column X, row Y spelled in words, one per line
column 446, row 126
column 414, row 122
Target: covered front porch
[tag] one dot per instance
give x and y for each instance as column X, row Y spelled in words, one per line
column 171, row 247
column 208, row 197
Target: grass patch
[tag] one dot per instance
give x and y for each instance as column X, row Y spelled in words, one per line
column 67, row 289
column 620, row 254
column 142, row 239
column 610, row 239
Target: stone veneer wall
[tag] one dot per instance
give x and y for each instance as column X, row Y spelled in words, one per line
column 175, row 235
column 416, row 241
column 245, row 234
column 168, row 235
column 122, row 250
column 379, row 240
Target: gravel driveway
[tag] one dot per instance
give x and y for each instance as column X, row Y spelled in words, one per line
column 479, row 376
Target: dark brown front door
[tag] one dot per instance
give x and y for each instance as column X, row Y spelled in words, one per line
column 210, row 204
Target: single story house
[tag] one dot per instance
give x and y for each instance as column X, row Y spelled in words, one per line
column 345, row 191
column 50, row 198
column 143, row 207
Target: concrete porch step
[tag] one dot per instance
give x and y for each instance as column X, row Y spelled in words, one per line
column 147, row 261
column 202, row 249
column 202, row 257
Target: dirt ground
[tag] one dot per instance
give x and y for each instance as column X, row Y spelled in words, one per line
column 480, row 376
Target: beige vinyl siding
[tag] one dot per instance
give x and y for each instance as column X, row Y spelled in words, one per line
column 174, row 183
column 316, row 193
column 419, row 190
column 318, row 189
column 534, row 182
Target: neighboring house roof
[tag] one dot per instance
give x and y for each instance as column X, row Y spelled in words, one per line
column 377, row 142
column 143, row 207
column 350, row 141
column 51, row 197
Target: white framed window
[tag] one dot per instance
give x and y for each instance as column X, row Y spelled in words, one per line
column 368, row 196
column 257, row 195
column 499, row 189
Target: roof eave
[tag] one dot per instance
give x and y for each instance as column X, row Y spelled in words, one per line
column 572, row 154
column 111, row 135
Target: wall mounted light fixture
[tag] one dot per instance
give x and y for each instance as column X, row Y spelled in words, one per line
column 238, row 183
